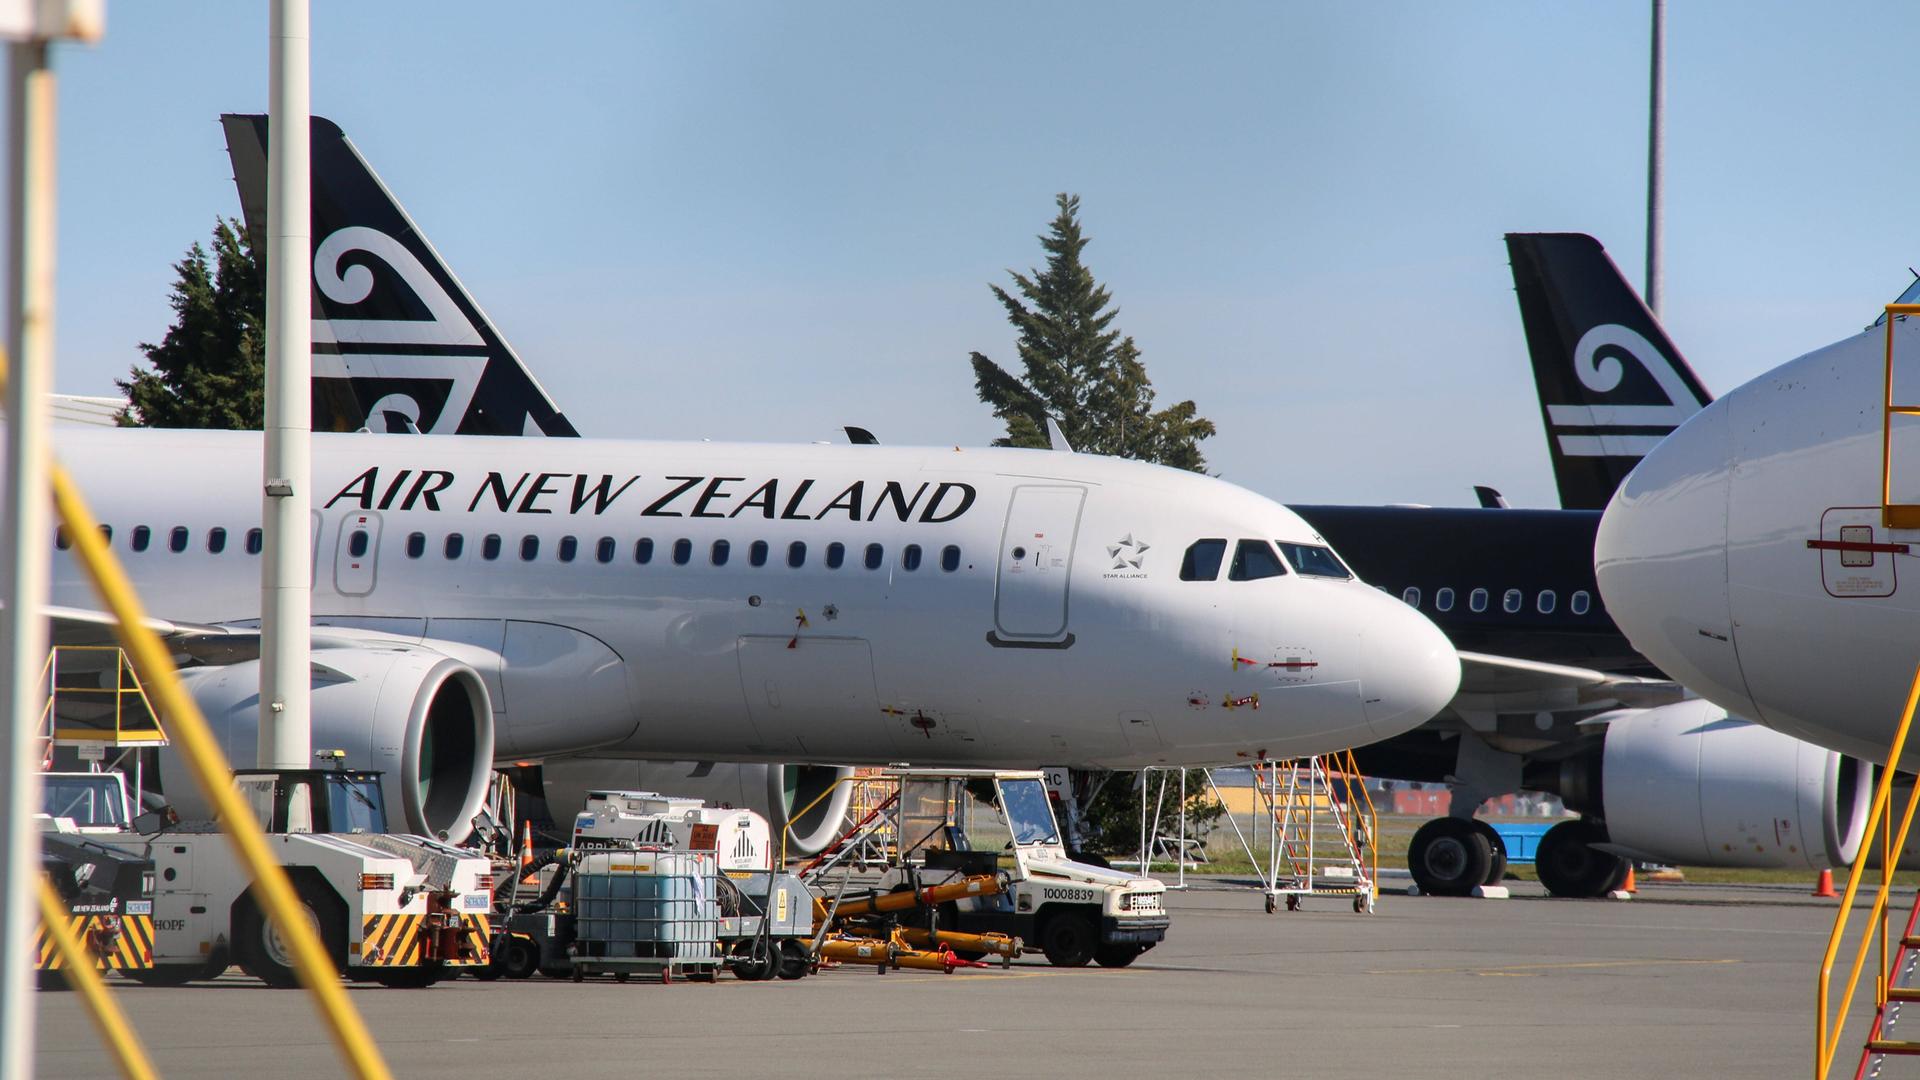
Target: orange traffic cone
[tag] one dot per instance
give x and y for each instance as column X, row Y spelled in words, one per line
column 1824, row 887
column 526, row 854
column 1628, row 885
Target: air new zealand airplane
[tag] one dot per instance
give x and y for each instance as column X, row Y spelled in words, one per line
column 1552, row 698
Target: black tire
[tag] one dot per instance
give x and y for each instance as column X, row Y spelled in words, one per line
column 795, row 962
column 264, row 954
column 1569, row 865
column 1069, row 938
column 522, row 958
column 1449, row 857
column 755, row 961
column 1497, row 865
column 1117, row 956
column 165, row 974
column 411, row 978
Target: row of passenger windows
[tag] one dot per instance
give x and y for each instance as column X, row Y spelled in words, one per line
column 1254, row 559
column 179, row 539
column 719, row 553
column 1511, row 601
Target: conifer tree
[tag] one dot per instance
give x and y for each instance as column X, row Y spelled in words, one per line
column 1078, row 368
column 209, row 371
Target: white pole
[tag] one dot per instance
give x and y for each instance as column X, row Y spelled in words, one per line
column 1656, row 150
column 25, row 546
column 286, row 571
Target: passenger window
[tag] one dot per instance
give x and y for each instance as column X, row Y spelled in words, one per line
column 682, row 552
column 910, row 557
column 1411, row 595
column 1252, row 560
column 1312, row 560
column 950, row 558
column 569, row 547
column 60, row 538
column 216, row 540
column 1546, row 601
column 142, row 536
column 836, row 555
column 643, row 550
column 455, row 545
column 1443, row 600
column 604, row 549
column 1202, row 561
column 720, row 551
column 357, row 543
column 177, row 540
column 490, row 547
column 1579, row 602
column 875, row 556
column 1510, row 601
column 796, row 554
column 1477, row 600
column 416, row 545
column 529, row 548
column 757, row 553
column 106, row 533
column 256, row 541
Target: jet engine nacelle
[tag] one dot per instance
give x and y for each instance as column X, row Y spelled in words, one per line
column 775, row 792
column 419, row 716
column 1686, row 783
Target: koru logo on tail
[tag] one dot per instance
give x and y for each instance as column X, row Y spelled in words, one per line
column 1620, row 430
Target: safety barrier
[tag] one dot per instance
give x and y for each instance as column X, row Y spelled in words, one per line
column 1827, row 1028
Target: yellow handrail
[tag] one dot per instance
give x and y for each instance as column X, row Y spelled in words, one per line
column 77, row 966
column 797, row 815
column 123, row 675
column 1894, row 515
column 197, row 745
column 1826, row 1037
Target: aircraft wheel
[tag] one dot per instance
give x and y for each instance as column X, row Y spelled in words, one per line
column 1448, row 857
column 1069, row 939
column 1569, row 865
column 1497, row 865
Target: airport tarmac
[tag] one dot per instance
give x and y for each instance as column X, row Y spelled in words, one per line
column 1683, row 980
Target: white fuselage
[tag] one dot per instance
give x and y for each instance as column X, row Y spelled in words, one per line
column 1746, row 555
column 1056, row 630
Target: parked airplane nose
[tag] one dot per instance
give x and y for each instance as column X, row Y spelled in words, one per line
column 1411, row 670
column 1661, row 559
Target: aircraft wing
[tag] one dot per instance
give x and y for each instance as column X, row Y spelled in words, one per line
column 204, row 642
column 1490, row 683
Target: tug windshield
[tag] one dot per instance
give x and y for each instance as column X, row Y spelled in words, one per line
column 1029, row 814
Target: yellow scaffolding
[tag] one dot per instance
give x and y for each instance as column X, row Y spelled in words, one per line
column 125, row 719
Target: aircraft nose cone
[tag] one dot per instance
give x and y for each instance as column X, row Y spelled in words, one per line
column 1661, row 558
column 1412, row 671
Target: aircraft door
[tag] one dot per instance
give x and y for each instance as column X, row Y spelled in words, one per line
column 355, row 553
column 1036, row 559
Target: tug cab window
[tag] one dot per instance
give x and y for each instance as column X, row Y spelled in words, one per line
column 1252, row 560
column 1313, row 560
column 1202, row 560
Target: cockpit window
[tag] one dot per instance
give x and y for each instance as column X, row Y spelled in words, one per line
column 1312, row 560
column 1202, row 561
column 1254, row 559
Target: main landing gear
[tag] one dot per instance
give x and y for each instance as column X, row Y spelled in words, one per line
column 1451, row 856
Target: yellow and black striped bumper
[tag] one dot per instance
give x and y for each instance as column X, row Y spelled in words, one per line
column 400, row 940
column 132, row 947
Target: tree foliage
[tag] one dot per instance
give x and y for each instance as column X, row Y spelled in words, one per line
column 1112, row 817
column 209, row 371
column 1078, row 368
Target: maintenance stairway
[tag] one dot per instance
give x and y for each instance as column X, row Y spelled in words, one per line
column 1897, row 975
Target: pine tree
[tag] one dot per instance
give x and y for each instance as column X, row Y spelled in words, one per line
column 1079, row 369
column 209, row 371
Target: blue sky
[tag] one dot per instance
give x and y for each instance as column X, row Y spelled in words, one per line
column 763, row 221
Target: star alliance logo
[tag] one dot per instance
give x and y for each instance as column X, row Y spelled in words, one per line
column 1127, row 553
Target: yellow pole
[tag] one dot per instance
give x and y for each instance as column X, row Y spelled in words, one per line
column 188, row 729
column 77, row 964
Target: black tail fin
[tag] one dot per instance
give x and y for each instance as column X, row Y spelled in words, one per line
column 397, row 342
column 1611, row 383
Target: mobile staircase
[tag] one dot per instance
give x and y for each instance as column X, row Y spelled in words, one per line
column 1896, row 987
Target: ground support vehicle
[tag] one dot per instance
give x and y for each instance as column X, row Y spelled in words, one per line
column 953, row 826
column 397, row 909
column 656, row 884
column 108, row 896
